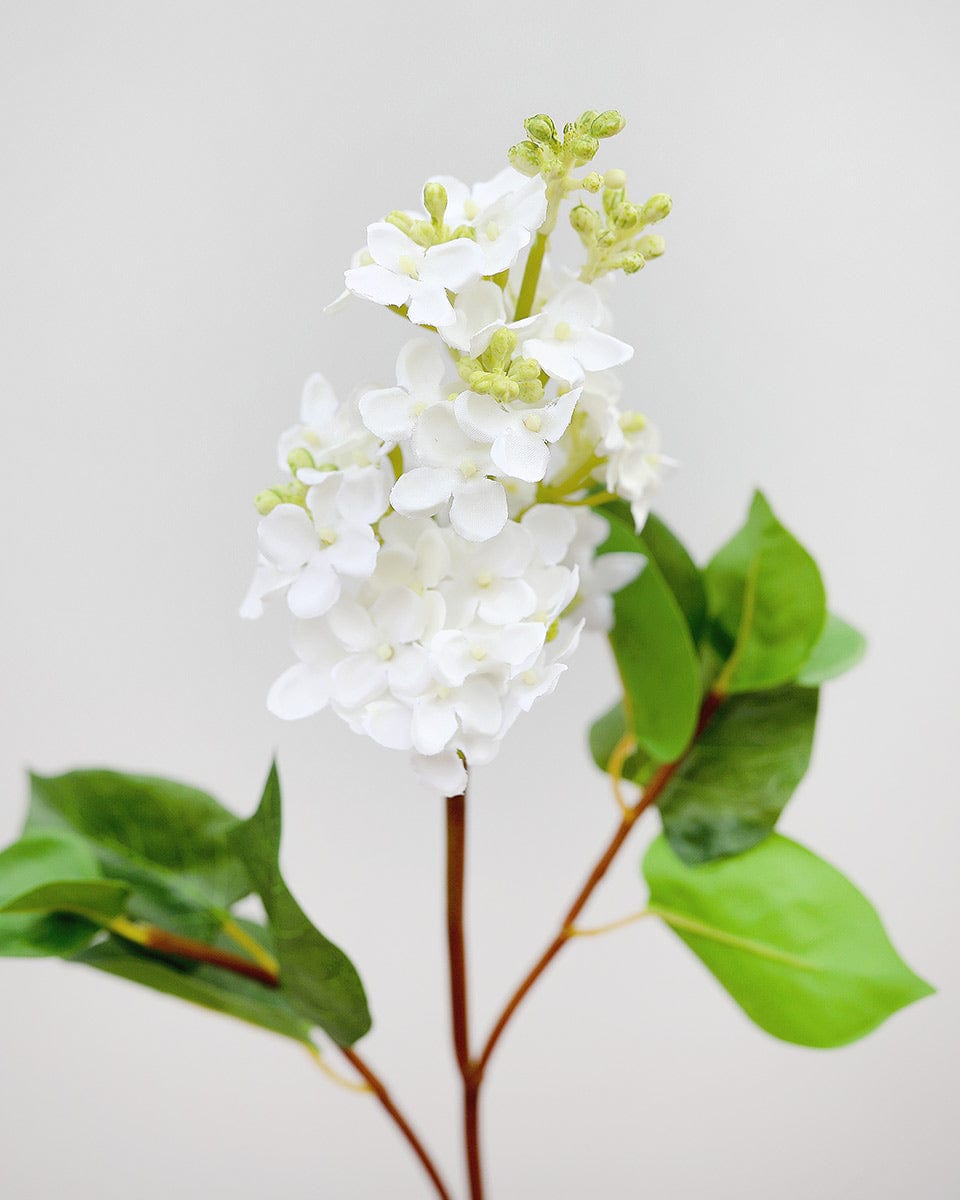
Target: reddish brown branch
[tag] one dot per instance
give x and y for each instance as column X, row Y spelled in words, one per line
column 165, row 942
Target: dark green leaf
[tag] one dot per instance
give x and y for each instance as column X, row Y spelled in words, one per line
column 655, row 655
column 606, row 734
column 793, row 942
column 839, row 648
column 765, row 593
column 729, row 791
column 681, row 573
column 207, row 986
column 38, row 859
column 316, row 977
column 98, row 899
column 168, row 840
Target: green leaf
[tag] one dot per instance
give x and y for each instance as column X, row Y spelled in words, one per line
column 37, row 860
column 655, row 655
column 839, row 648
column 99, row 899
column 794, row 943
column 729, row 791
column 207, row 986
column 682, row 575
column 316, row 977
column 167, row 840
column 765, row 593
column 605, row 735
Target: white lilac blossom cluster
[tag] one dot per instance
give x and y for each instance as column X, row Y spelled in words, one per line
column 435, row 539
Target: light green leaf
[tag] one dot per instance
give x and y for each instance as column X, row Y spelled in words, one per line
column 794, row 943
column 39, row 859
column 167, row 840
column 212, row 988
column 682, row 575
column 98, row 899
column 765, row 594
column 839, row 648
column 605, row 735
column 729, row 791
column 316, row 977
column 655, row 655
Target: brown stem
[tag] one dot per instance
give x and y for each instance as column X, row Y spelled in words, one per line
column 456, row 862
column 381, row 1093
column 164, row 942
column 650, row 793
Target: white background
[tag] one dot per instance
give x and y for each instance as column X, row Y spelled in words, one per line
column 183, row 184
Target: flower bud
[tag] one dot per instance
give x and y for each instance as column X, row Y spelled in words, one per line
column 656, row 208
column 608, row 124
column 585, row 220
column 626, row 216
column 526, row 158
column 582, row 146
column 402, row 220
column 465, row 231
column 633, row 262
column 530, row 391
column 502, row 345
column 613, row 198
column 586, row 119
column 524, row 369
column 651, row 245
column 615, row 178
column 541, row 129
column 299, row 457
column 435, row 201
column 266, row 502
column 592, row 183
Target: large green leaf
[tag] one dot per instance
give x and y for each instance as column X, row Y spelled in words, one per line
column 38, row 860
column 316, row 977
column 793, row 942
column 605, row 735
column 682, row 575
column 207, row 986
column 98, row 899
column 729, row 791
column 655, row 655
column 766, row 595
column 167, row 840
column 839, row 648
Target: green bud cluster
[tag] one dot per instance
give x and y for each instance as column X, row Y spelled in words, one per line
column 545, row 152
column 615, row 238
column 496, row 374
column 434, row 231
column 293, row 492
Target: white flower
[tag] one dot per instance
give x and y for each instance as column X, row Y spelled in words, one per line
column 520, row 435
column 329, row 430
column 636, row 470
column 478, row 312
column 487, row 579
column 498, row 651
column 600, row 575
column 404, row 273
column 440, row 712
column 565, row 339
column 454, row 468
column 541, row 678
column 504, row 211
column 311, row 549
column 392, row 413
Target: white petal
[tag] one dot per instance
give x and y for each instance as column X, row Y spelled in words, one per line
column 315, row 590
column 481, row 417
column 478, row 311
column 557, row 416
column 287, row 537
column 410, row 671
column 442, row 773
column 553, row 527
column 479, row 509
column 358, row 679
column 322, row 500
column 300, row 691
column 478, row 706
column 377, row 284
column 266, row 579
column 387, row 412
column 518, row 644
column 400, row 615
column 556, row 358
column 438, row 439
column 596, row 351
column 352, row 625
column 505, row 601
column 434, row 724
column 452, row 264
column 388, row 723
column 509, row 553
column 422, row 490
column 577, row 304
column 520, row 453
column 364, row 493
column 429, row 304
column 614, row 571
column 389, row 245
column 318, row 404
column 420, row 366
column 354, row 552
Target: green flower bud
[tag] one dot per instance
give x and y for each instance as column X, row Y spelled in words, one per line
column 582, row 146
column 541, row 129
column 656, row 208
column 266, row 502
column 651, row 245
column 402, row 220
column 585, row 120
column 524, row 369
column 530, row 391
column 632, row 263
column 608, row 124
column 607, row 238
column 585, row 220
column 465, row 231
column 503, row 388
column 626, row 216
column 467, row 368
column 592, row 183
column 497, row 354
column 423, row 233
column 613, row 198
column 299, row 457
column 435, row 201
column 526, row 158
column 615, row 178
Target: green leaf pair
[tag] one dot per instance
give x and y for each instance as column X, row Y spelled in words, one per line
column 108, row 863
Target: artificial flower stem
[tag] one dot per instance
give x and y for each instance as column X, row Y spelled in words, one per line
column 164, row 942
column 531, row 277
column 567, row 925
column 456, row 862
column 386, row 1100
